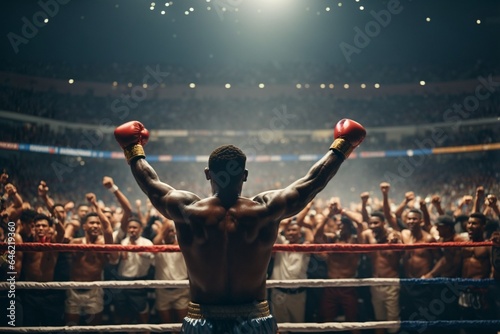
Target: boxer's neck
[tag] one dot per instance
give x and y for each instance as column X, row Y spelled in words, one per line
column 227, row 197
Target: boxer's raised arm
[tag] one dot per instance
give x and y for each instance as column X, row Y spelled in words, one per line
column 166, row 199
column 290, row 200
column 132, row 136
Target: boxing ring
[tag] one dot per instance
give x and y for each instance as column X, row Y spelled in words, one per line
column 451, row 283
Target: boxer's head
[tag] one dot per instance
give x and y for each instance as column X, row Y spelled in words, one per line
column 226, row 168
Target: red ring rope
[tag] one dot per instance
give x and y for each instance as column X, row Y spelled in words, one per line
column 308, row 248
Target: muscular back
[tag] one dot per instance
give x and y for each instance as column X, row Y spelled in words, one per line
column 227, row 240
column 227, row 250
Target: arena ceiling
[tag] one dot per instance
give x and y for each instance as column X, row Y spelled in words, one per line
column 345, row 32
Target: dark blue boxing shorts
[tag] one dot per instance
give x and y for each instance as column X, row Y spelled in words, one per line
column 229, row 319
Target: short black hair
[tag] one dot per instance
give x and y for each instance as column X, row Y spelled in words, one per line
column 379, row 215
column 41, row 216
column 479, row 216
column 461, row 219
column 56, row 205
column 88, row 215
column 228, row 159
column 27, row 216
column 445, row 220
column 415, row 210
column 136, row 220
column 347, row 222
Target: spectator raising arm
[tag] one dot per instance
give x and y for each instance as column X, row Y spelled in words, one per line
column 107, row 231
column 491, row 205
column 109, row 184
column 426, row 218
column 391, row 219
column 59, row 218
column 301, row 216
column 16, row 202
column 436, row 203
column 464, row 206
column 43, row 192
column 478, row 200
column 364, row 202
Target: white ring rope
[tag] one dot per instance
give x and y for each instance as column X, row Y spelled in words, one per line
column 290, row 327
column 298, row 283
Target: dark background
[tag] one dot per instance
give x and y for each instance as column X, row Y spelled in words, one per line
column 285, row 30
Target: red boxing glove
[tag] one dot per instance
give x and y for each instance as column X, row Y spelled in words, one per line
column 131, row 133
column 348, row 135
column 132, row 136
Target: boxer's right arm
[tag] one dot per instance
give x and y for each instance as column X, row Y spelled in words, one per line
column 165, row 198
column 168, row 201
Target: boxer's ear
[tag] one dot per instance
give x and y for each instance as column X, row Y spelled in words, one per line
column 245, row 175
column 207, row 173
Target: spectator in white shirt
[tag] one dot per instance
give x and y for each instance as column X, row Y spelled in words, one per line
column 289, row 304
column 171, row 303
column 132, row 304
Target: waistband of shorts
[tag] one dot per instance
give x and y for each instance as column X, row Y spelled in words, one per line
column 251, row 310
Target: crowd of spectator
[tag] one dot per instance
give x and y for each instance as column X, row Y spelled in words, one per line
column 411, row 199
column 260, row 142
column 357, row 209
column 304, row 110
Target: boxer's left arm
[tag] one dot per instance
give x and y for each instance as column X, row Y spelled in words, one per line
column 289, row 201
